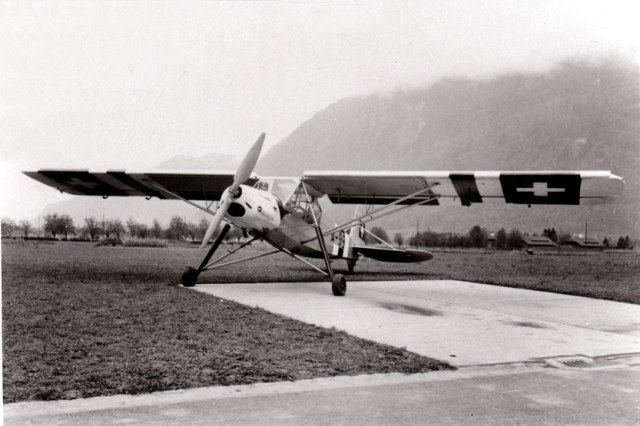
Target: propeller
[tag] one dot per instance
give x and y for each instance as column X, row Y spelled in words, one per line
column 242, row 175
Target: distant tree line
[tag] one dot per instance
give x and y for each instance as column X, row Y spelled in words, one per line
column 479, row 237
column 623, row 243
column 113, row 229
column 92, row 229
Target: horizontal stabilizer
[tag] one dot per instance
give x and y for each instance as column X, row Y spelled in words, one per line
column 393, row 255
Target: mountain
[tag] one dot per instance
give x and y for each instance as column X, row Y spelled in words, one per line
column 581, row 115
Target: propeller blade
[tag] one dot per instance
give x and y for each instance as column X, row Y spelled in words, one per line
column 242, row 174
column 246, row 167
column 217, row 218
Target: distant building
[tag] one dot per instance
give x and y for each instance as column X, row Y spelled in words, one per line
column 580, row 243
column 538, row 242
column 491, row 240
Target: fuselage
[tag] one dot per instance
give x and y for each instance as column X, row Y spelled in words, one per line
column 288, row 224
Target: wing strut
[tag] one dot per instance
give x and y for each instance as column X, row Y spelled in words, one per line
column 215, row 262
column 376, row 213
column 173, row 194
column 306, row 262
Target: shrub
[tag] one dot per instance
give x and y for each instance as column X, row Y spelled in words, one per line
column 144, row 242
column 378, row 232
column 110, row 241
column 478, row 237
column 514, row 240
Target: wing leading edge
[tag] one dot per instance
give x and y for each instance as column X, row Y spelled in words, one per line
column 466, row 188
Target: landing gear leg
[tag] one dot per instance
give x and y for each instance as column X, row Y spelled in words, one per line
column 190, row 275
column 338, row 282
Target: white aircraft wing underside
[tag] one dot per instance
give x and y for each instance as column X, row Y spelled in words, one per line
column 465, row 188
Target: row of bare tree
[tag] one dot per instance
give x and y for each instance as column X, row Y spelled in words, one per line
column 55, row 225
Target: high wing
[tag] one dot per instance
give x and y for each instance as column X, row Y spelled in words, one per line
column 466, row 188
column 163, row 184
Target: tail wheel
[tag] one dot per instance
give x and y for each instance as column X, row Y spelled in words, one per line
column 339, row 285
column 189, row 277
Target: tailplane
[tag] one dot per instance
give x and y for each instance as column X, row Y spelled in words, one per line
column 351, row 245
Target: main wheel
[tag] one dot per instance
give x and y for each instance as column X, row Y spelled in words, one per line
column 189, row 277
column 339, row 285
column 351, row 264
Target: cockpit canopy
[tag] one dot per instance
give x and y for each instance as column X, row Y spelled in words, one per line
column 291, row 196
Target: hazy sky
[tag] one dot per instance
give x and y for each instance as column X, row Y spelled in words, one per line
column 130, row 84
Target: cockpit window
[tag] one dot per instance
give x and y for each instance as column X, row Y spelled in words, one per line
column 262, row 185
column 284, row 188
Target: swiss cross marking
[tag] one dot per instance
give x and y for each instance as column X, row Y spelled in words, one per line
column 540, row 189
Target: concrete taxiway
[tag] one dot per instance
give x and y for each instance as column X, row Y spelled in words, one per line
column 524, row 357
column 461, row 322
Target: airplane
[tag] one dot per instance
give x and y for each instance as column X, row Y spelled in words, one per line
column 285, row 211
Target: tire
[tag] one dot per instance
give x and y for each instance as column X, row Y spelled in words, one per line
column 189, row 277
column 339, row 285
column 351, row 264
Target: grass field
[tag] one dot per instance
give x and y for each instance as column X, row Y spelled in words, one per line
column 613, row 275
column 81, row 320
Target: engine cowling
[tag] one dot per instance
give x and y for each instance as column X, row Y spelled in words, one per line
column 253, row 208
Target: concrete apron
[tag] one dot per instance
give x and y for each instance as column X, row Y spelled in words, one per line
column 461, row 322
